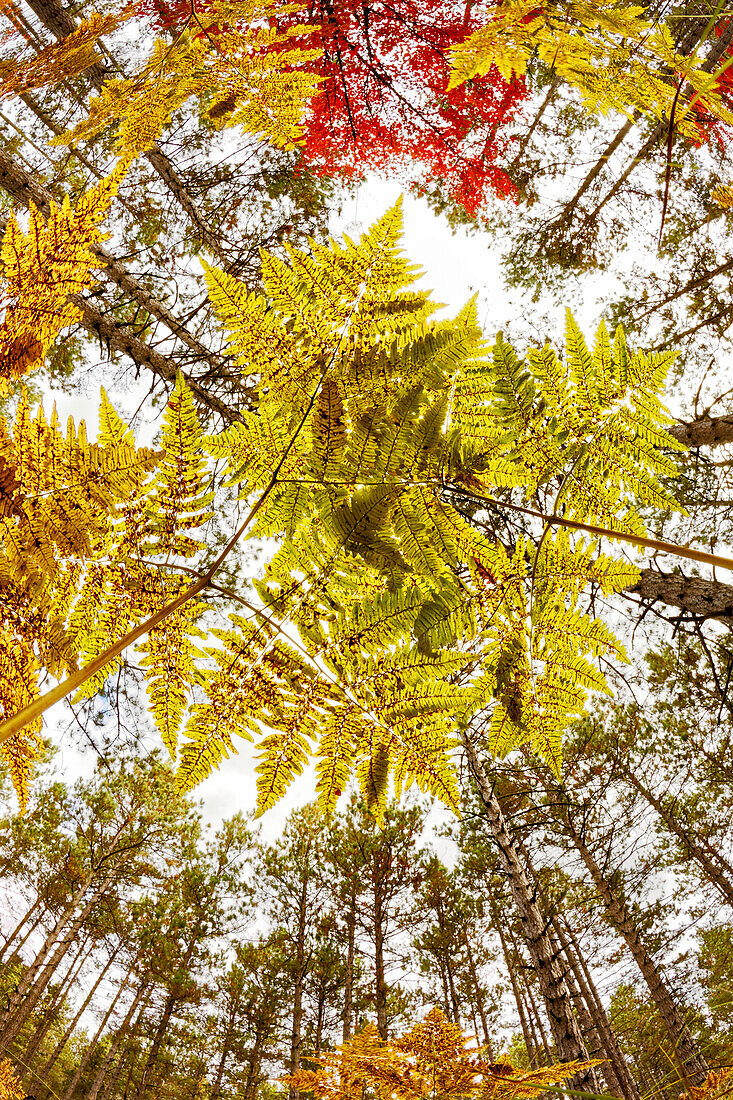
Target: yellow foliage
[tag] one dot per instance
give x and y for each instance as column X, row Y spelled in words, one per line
column 60, row 504
column 41, row 268
column 430, row 1060
column 716, row 1084
column 64, row 59
column 723, row 196
column 245, row 71
column 10, row 1086
column 385, row 619
column 616, row 57
column 18, row 687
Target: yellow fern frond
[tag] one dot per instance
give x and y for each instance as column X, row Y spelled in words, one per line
column 10, row 1086
column 335, row 754
column 610, row 52
column 170, row 664
column 723, row 196
column 180, row 496
column 41, row 268
column 247, row 69
column 62, row 60
column 18, row 688
column 716, row 1084
column 432, row 1059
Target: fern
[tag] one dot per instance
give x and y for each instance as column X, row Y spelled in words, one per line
column 432, row 1059
column 247, row 72
column 614, row 56
column 65, row 59
column 41, row 269
column 386, row 618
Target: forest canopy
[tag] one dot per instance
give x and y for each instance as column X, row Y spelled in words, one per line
column 464, row 590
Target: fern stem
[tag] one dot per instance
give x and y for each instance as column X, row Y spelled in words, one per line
column 716, row 560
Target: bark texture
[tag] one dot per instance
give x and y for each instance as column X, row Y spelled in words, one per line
column 564, row 1026
column 696, row 596
column 706, row 431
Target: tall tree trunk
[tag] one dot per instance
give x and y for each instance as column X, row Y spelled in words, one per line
column 226, row 1047
column 715, row 867
column 16, row 953
column 320, row 1015
column 219, row 1077
column 114, row 1076
column 21, row 186
column 44, row 1070
column 296, row 1034
column 25, row 997
column 25, row 189
column 10, row 938
column 125, row 1028
column 349, row 982
column 57, row 1001
column 455, row 1015
column 626, row 1083
column 691, row 1060
column 705, row 599
column 61, row 23
column 660, row 130
column 529, row 1040
column 588, row 1027
column 444, row 984
column 151, row 1061
column 564, row 1026
column 706, row 430
column 687, row 44
column 94, row 1042
column 170, row 1004
column 380, row 983
column 480, row 1003
column 594, row 1022
column 535, row 1016
column 255, row 1063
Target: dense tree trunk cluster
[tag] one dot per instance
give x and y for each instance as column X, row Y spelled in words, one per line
column 148, row 958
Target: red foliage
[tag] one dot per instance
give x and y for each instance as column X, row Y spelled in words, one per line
column 711, row 128
column 383, row 104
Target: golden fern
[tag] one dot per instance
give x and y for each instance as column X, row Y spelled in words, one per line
column 42, row 268
column 247, row 72
column 10, row 1086
column 615, row 56
column 69, row 57
column 432, row 1059
column 385, row 619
